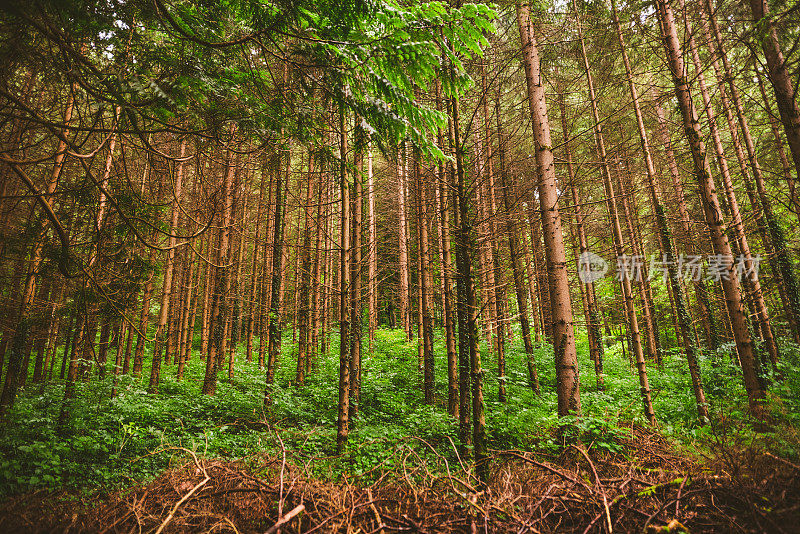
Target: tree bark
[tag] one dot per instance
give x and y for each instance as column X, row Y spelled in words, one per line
column 787, row 278
column 779, row 77
column 278, row 228
column 619, row 247
column 425, row 285
column 587, row 288
column 218, row 316
column 343, row 420
column 762, row 314
column 166, row 290
column 711, row 207
column 665, row 238
column 372, row 273
column 405, row 283
column 567, row 383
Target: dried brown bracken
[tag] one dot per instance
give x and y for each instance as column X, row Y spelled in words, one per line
column 652, row 488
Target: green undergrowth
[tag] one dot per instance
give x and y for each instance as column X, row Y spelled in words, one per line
column 111, row 443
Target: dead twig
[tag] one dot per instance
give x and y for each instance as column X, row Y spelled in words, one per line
column 285, row 519
column 600, row 485
column 188, row 495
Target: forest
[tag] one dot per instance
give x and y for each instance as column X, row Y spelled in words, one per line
column 375, row 266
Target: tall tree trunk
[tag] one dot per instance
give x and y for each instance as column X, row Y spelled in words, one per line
column 343, row 421
column 566, row 361
column 642, row 283
column 144, row 319
column 187, row 328
column 530, row 271
column 42, row 333
column 126, row 357
column 319, row 269
column 80, row 338
column 102, row 347
column 779, row 77
column 711, row 207
column 208, row 283
column 467, row 331
column 665, row 238
column 118, row 357
column 627, row 290
column 443, row 180
column 181, row 305
column 485, row 289
column 269, row 253
column 701, row 292
column 278, row 227
column 405, row 299
column 253, row 299
column 776, row 133
column 497, row 278
column 372, row 273
column 520, row 290
column 356, row 215
column 762, row 314
column 304, row 312
column 425, row 285
column 587, row 288
column 166, row 290
column 236, row 316
column 787, row 278
column 21, row 331
column 469, row 356
column 218, row 317
column 328, row 310
column 540, row 290
column 445, row 260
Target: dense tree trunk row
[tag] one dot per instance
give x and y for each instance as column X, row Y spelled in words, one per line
column 122, row 251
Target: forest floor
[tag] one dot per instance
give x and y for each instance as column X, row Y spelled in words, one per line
column 181, row 461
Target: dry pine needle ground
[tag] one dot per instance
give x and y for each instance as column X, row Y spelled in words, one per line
column 651, row 489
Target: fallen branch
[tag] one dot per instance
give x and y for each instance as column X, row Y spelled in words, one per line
column 600, row 485
column 285, row 519
column 187, row 496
